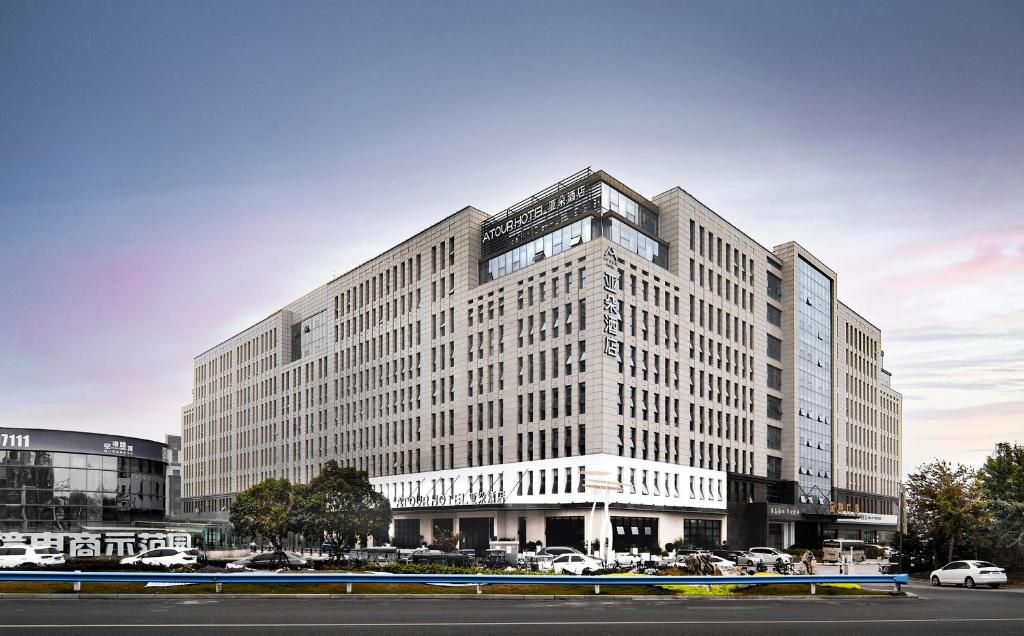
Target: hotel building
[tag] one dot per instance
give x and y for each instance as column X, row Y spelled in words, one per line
column 483, row 370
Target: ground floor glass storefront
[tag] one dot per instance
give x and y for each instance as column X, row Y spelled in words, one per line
column 635, row 533
column 642, row 531
column 567, row 531
column 61, row 492
column 703, row 533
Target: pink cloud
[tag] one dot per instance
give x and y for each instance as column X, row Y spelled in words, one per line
column 992, row 256
column 965, row 435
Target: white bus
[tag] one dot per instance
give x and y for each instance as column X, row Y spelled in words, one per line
column 833, row 550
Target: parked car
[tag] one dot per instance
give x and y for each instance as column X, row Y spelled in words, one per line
column 19, row 556
column 437, row 557
column 969, row 574
column 771, row 555
column 683, row 551
column 728, row 555
column 267, row 560
column 329, row 547
column 573, row 563
column 749, row 559
column 725, row 565
column 166, row 557
column 496, row 558
column 626, row 559
column 554, row 551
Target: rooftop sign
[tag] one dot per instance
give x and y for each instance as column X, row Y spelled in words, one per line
column 534, row 216
column 36, row 439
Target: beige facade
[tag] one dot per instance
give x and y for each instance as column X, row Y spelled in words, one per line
column 479, row 391
column 868, row 451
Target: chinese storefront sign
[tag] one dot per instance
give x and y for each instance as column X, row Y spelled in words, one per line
column 118, row 447
column 612, row 315
column 85, row 544
column 457, row 499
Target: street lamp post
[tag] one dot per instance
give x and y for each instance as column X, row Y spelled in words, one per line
column 597, row 480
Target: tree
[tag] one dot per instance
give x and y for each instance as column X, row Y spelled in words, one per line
column 264, row 511
column 342, row 507
column 1001, row 480
column 446, row 541
column 945, row 504
column 1002, row 474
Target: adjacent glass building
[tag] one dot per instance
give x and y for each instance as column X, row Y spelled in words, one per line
column 814, row 384
column 60, row 481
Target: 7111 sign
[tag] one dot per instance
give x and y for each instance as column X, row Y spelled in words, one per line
column 612, row 315
column 9, row 440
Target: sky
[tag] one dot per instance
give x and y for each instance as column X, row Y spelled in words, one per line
column 172, row 172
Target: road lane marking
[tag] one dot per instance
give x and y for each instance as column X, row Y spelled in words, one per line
column 519, row 623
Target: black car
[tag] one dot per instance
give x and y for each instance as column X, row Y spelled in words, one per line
column 270, row 561
column 200, row 556
column 728, row 555
column 441, row 558
column 685, row 551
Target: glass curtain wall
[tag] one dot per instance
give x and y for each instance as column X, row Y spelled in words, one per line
column 538, row 249
column 635, row 241
column 814, row 383
column 582, row 231
column 60, row 492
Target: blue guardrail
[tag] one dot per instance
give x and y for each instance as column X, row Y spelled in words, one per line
column 464, row 579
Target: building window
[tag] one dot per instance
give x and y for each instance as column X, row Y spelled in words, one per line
column 774, row 378
column 774, row 315
column 538, row 249
column 774, row 407
column 774, row 437
column 774, row 467
column 634, row 532
column 774, row 348
column 774, row 286
column 702, row 533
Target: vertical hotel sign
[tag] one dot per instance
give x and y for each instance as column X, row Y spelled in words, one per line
column 612, row 315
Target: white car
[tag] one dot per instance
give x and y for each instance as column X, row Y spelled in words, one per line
column 167, row 557
column 626, row 559
column 556, row 551
column 969, row 574
column 723, row 564
column 16, row 556
column 771, row 555
column 749, row 559
column 578, row 564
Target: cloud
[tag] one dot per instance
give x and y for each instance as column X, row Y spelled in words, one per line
column 963, row 435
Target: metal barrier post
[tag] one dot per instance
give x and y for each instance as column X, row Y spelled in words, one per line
column 813, row 588
column 218, row 586
column 348, row 588
column 597, row 589
column 478, row 589
column 77, row 587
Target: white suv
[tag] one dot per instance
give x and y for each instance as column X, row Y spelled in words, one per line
column 16, row 556
column 771, row 555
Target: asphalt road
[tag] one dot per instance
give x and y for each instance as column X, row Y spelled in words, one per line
column 937, row 611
